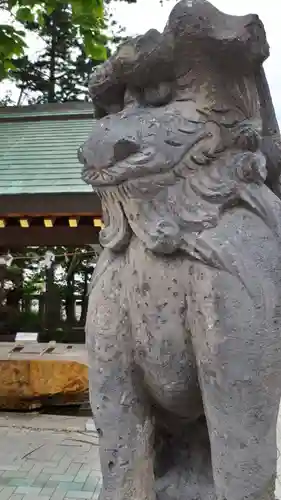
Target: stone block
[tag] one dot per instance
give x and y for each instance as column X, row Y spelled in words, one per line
column 26, row 383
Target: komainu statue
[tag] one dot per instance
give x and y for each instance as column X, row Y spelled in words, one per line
column 183, row 326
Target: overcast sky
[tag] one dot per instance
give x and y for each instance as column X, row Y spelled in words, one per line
column 138, row 18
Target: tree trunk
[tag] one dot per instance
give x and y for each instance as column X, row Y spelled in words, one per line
column 52, row 304
column 52, row 77
column 70, row 302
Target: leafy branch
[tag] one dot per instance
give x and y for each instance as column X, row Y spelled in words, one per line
column 87, row 17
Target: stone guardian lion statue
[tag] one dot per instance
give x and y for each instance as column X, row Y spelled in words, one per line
column 183, row 325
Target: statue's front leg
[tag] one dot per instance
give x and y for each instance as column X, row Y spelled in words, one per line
column 235, row 325
column 120, row 411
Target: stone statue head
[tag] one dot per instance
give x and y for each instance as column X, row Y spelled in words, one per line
column 172, row 111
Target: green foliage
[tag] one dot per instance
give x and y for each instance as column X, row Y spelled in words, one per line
column 7, row 99
column 11, row 44
column 61, row 69
column 27, row 280
column 86, row 17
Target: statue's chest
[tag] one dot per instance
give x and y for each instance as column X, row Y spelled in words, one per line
column 156, row 289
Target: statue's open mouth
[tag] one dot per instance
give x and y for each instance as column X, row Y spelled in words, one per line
column 144, row 164
column 155, row 154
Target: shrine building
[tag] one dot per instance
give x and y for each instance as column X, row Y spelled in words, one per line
column 43, row 200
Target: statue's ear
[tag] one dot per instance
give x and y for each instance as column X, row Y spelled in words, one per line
column 271, row 142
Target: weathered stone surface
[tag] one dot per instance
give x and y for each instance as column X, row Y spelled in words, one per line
column 183, row 327
column 27, row 383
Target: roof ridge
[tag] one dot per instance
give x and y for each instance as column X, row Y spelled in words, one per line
column 68, row 109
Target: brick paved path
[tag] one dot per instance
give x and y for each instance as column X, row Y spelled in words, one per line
column 41, row 464
column 48, row 465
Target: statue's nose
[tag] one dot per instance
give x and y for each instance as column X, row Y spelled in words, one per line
column 124, row 148
column 98, row 157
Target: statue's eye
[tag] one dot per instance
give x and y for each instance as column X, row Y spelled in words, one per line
column 158, row 95
column 131, row 97
column 102, row 111
column 99, row 112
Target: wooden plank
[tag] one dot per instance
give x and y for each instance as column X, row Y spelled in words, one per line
column 42, row 117
column 33, row 351
column 12, row 237
column 59, row 205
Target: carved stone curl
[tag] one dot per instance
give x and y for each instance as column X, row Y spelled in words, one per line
column 184, row 316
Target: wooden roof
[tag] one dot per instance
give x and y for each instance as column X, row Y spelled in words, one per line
column 38, row 148
column 43, row 200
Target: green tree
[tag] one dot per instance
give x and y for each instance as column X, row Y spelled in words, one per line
column 61, row 70
column 56, row 288
column 6, row 99
column 85, row 16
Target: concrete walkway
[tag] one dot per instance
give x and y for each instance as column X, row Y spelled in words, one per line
column 54, row 458
column 48, row 458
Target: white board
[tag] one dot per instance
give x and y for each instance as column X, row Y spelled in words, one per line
column 26, row 337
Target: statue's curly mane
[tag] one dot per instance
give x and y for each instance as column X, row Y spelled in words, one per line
column 181, row 205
